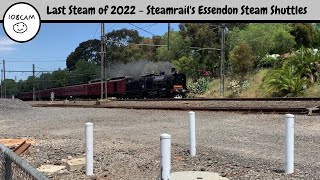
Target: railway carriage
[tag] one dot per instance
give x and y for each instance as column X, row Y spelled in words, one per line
column 147, row 86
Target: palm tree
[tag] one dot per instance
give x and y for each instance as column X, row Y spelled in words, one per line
column 306, row 63
column 286, row 82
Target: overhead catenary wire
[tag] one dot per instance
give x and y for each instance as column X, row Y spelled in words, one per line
column 142, row 29
column 149, row 26
column 22, row 61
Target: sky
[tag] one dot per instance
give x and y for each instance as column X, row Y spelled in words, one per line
column 55, row 41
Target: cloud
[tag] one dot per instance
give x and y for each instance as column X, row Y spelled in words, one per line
column 7, row 45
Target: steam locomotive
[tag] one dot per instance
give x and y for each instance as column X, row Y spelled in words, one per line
column 147, row 86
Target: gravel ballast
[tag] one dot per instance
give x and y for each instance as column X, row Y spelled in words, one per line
column 126, row 142
column 10, row 104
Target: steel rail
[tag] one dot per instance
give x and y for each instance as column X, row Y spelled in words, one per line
column 279, row 110
column 226, row 99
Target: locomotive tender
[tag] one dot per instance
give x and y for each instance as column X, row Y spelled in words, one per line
column 147, row 86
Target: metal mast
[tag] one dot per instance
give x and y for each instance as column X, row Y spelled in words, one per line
column 4, row 79
column 222, row 60
column 102, row 58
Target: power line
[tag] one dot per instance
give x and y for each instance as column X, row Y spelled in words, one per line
column 96, row 31
column 36, row 61
column 142, row 29
column 112, row 27
column 149, row 26
column 32, row 57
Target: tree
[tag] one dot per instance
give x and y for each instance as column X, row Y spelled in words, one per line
column 304, row 34
column 11, row 87
column 307, row 64
column 187, row 65
column 263, row 39
column 148, row 51
column 178, row 47
column 119, row 48
column 84, row 72
column 46, row 81
column 316, row 43
column 61, row 77
column 242, row 61
column 25, row 85
column 285, row 82
column 87, row 50
column 283, row 42
column 203, row 35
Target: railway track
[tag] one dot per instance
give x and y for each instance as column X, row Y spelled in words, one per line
column 245, row 105
column 278, row 110
column 225, row 99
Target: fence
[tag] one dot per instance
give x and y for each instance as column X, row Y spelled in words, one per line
column 13, row 167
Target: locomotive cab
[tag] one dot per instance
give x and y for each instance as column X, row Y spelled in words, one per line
column 177, row 85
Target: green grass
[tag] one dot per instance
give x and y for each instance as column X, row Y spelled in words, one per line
column 313, row 91
column 254, row 89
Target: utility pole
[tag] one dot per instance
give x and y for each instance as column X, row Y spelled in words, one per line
column 102, row 58
column 4, row 79
column 168, row 36
column 105, row 62
column 1, row 84
column 222, row 60
column 33, row 84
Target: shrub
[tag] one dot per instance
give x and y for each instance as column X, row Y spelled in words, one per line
column 200, row 86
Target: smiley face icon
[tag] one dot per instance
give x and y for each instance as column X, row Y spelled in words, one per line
column 21, row 22
column 20, row 27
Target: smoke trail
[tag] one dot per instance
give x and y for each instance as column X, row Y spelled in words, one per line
column 137, row 68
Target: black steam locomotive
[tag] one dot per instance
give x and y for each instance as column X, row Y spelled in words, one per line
column 157, row 86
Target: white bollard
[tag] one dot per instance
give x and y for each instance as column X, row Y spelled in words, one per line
column 165, row 159
column 89, row 149
column 192, row 133
column 289, row 118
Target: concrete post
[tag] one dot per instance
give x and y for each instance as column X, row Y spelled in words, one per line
column 289, row 159
column 165, row 160
column 89, row 149
column 192, row 133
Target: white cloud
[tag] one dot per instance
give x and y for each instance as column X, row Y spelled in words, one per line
column 7, row 44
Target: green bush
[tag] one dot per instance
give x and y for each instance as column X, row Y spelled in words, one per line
column 200, row 86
